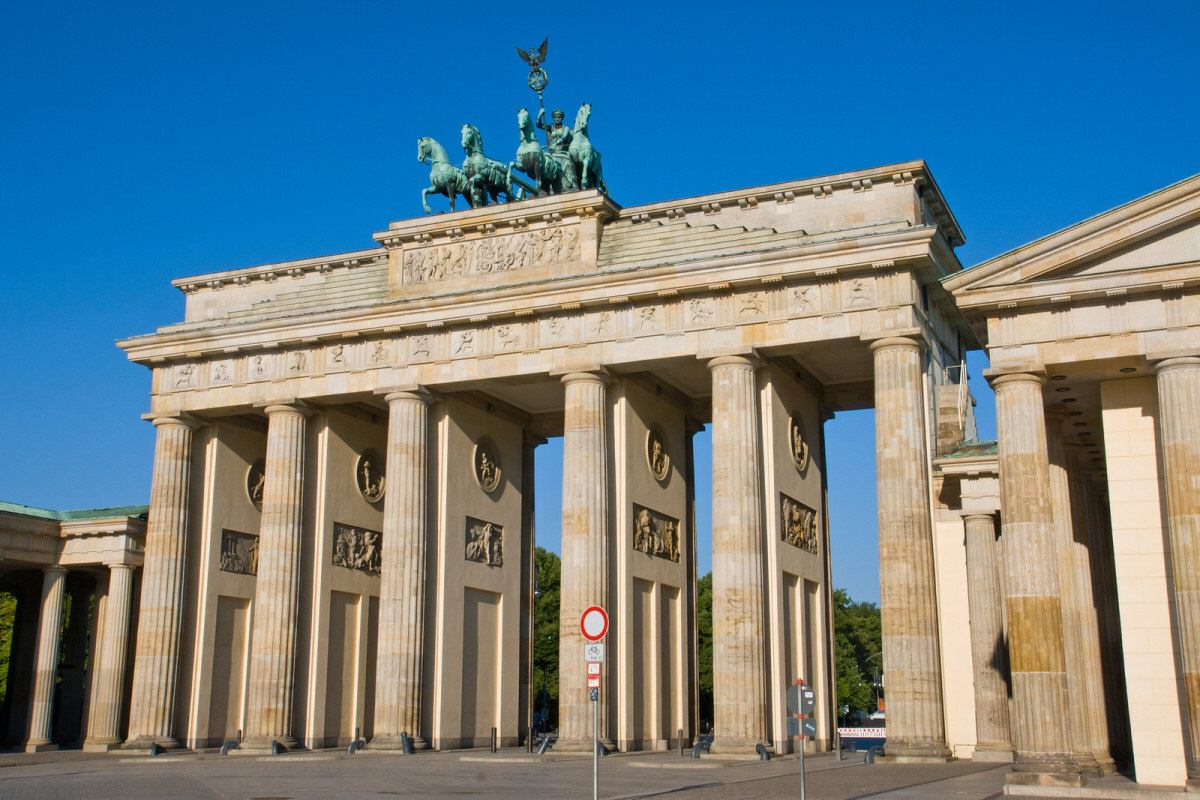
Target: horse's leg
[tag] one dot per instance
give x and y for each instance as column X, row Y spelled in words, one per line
column 600, row 184
column 424, row 202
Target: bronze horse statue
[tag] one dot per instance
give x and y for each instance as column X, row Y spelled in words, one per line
column 444, row 177
column 584, row 158
column 535, row 162
column 488, row 179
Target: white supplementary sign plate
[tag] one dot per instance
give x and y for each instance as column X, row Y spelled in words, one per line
column 593, row 651
column 593, row 681
column 593, row 668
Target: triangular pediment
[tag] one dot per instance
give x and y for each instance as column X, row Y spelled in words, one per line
column 1151, row 234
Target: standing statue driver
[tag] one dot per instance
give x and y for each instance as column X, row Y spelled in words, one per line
column 559, row 136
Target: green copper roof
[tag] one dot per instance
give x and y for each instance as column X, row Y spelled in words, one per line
column 973, row 449
column 79, row 514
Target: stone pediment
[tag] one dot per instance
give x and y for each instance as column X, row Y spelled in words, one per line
column 1152, row 240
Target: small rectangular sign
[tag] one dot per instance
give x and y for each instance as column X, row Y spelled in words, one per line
column 593, row 651
column 595, row 695
column 593, row 668
column 593, row 681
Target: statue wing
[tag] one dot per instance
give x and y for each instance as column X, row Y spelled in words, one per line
column 542, row 50
column 525, row 56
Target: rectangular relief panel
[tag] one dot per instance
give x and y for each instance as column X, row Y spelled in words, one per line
column 655, row 534
column 357, row 548
column 798, row 524
column 239, row 552
column 485, row 542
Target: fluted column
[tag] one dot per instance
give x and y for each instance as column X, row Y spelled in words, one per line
column 1034, row 608
column 908, row 601
column 1079, row 731
column 1179, row 432
column 585, row 540
column 160, row 611
column 45, row 665
column 401, row 655
column 739, row 629
column 104, row 717
column 1083, row 543
column 277, row 589
column 989, row 655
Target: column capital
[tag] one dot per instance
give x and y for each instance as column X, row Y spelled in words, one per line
column 54, row 569
column 898, row 343
column 600, row 376
column 747, row 361
column 179, row 418
column 1178, row 363
column 1002, row 379
column 979, row 516
column 294, row 407
column 399, row 395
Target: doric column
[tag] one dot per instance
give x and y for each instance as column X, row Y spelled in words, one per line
column 1035, row 640
column 1179, row 432
column 45, row 665
column 160, row 611
column 1083, row 543
column 277, row 589
column 989, row 655
column 739, row 628
column 401, row 655
column 908, row 602
column 585, row 540
column 104, row 717
column 1079, row 731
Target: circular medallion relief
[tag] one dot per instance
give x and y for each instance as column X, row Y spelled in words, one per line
column 796, row 443
column 256, row 477
column 368, row 474
column 656, row 454
column 487, row 465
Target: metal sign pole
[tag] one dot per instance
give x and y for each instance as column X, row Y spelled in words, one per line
column 800, row 728
column 595, row 745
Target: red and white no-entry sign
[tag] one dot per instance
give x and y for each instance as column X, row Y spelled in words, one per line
column 594, row 623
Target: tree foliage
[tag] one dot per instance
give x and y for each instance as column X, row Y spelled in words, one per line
column 858, row 642
column 8, row 610
column 545, row 622
column 705, row 645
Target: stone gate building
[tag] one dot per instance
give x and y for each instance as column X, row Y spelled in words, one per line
column 340, row 534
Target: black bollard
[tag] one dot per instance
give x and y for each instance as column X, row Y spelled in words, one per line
column 277, row 748
column 681, row 742
column 229, row 745
column 696, row 749
column 156, row 749
column 761, row 749
column 493, row 740
column 406, row 743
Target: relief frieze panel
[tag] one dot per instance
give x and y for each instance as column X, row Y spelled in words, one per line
column 357, row 548
column 239, row 552
column 798, row 524
column 859, row 293
column 655, row 534
column 485, row 542
column 489, row 255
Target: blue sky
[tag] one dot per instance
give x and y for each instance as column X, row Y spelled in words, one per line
column 141, row 142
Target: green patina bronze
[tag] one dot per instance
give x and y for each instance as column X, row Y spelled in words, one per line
column 444, row 177
column 585, row 158
column 488, row 179
column 559, row 137
column 546, row 171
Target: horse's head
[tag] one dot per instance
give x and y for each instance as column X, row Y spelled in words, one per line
column 524, row 121
column 581, row 119
column 471, row 140
column 423, row 148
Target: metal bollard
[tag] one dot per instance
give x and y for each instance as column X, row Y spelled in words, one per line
column 547, row 743
column 229, row 745
column 761, row 749
column 681, row 742
column 357, row 744
column 869, row 756
column 696, row 749
column 406, row 743
column 156, row 749
column 529, row 740
column 493, row 740
column 277, row 748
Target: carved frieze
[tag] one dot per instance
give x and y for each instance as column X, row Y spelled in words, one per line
column 700, row 311
column 297, row 362
column 185, row 376
column 256, row 478
column 260, row 367
column 486, row 465
column 798, row 524
column 368, row 474
column 335, row 356
column 484, row 256
column 485, row 542
column 655, row 534
column 797, row 444
column 357, row 548
column 220, row 373
column 656, row 454
column 860, row 293
column 239, row 552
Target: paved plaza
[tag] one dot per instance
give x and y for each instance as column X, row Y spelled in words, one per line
column 479, row 774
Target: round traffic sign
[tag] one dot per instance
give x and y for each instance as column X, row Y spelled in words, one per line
column 594, row 623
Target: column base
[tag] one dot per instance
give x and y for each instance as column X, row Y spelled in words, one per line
column 736, row 748
column 144, row 742
column 391, row 741
column 40, row 747
column 993, row 755
column 264, row 744
column 1071, row 780
column 916, row 752
column 1193, row 785
column 101, row 745
column 563, row 745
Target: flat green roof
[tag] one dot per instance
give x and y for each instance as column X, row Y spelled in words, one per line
column 969, row 449
column 68, row 516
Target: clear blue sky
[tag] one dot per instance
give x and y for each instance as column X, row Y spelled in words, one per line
column 144, row 141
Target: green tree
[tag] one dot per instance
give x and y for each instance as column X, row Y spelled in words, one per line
column 545, row 623
column 8, row 610
column 705, row 645
column 858, row 642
